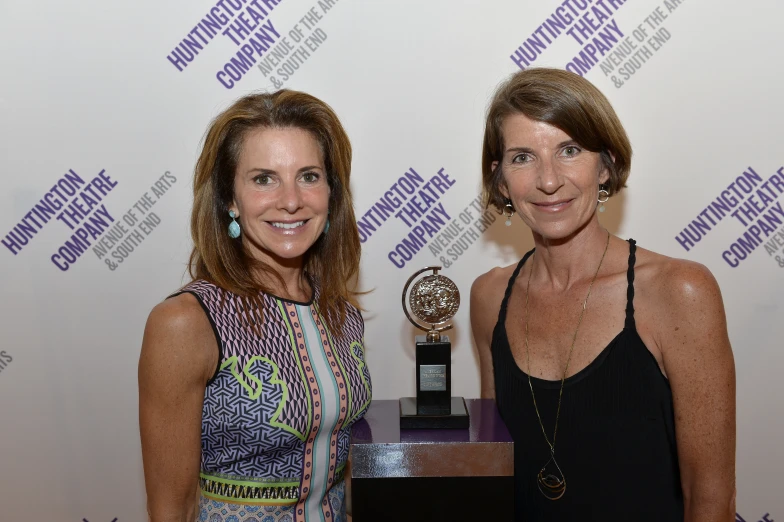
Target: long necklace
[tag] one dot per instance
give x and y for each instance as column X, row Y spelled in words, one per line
column 552, row 483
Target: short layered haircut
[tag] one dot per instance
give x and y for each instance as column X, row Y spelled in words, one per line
column 566, row 101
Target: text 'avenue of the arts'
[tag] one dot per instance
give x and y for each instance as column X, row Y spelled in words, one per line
column 634, row 51
column 138, row 222
column 293, row 50
column 455, row 240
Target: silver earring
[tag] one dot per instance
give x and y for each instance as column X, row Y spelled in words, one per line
column 234, row 227
column 604, row 196
column 508, row 211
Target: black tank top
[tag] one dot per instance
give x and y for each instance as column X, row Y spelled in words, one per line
column 616, row 433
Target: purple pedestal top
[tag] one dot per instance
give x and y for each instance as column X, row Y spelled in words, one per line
column 380, row 449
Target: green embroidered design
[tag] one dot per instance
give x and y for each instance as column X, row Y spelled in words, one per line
column 360, row 367
column 232, row 363
column 236, row 491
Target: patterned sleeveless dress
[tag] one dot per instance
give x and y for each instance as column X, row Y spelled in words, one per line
column 278, row 412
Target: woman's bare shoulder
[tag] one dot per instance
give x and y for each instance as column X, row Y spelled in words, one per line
column 670, row 277
column 487, row 292
column 179, row 315
column 493, row 279
column 677, row 291
column 179, row 334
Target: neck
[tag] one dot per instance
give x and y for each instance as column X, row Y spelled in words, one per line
column 562, row 263
column 292, row 284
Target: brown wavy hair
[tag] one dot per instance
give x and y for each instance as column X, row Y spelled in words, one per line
column 332, row 261
column 567, row 101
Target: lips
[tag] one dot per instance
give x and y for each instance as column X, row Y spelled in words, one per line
column 287, row 225
column 553, row 206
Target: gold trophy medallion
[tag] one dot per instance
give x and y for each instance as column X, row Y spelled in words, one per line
column 434, row 300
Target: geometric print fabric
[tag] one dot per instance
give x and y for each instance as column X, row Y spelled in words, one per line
column 260, row 411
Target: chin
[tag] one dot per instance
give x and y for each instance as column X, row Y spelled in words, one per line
column 557, row 229
column 272, row 250
column 291, row 253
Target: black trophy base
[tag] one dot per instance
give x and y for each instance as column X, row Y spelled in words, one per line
column 457, row 419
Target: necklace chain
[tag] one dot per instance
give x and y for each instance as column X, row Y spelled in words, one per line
column 562, row 486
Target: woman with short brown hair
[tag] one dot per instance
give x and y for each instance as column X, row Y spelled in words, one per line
column 610, row 364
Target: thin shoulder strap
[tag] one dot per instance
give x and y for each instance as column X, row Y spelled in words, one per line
column 502, row 311
column 630, row 287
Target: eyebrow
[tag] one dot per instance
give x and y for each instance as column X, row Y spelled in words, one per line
column 519, row 149
column 530, row 150
column 270, row 171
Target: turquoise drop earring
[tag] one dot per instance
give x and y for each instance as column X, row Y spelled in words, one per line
column 234, row 227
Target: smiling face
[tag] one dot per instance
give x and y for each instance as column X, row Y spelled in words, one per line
column 281, row 194
column 552, row 181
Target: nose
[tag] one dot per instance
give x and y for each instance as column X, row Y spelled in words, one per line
column 549, row 178
column 290, row 197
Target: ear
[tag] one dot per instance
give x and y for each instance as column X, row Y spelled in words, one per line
column 604, row 175
column 503, row 189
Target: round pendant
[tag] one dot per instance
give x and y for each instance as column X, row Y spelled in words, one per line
column 551, row 480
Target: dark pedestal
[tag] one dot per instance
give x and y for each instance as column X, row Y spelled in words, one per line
column 433, row 407
column 433, row 474
column 455, row 418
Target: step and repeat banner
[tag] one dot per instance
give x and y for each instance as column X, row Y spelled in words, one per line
column 103, row 106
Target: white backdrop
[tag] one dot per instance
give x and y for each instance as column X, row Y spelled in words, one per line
column 111, row 99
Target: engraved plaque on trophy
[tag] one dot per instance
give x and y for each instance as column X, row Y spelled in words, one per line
column 433, row 300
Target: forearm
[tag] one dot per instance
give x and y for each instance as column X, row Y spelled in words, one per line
column 717, row 505
column 168, row 505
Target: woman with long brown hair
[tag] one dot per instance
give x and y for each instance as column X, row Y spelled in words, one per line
column 251, row 376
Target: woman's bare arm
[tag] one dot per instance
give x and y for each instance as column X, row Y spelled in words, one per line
column 179, row 355
column 486, row 297
column 697, row 357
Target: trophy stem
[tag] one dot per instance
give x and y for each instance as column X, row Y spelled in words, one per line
column 433, row 336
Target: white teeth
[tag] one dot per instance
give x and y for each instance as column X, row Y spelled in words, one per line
column 288, row 226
